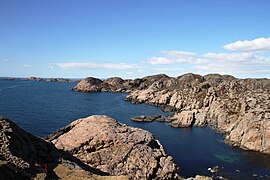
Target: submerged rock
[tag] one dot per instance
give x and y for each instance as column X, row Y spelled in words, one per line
column 103, row 143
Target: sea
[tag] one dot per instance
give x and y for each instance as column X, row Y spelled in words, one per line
column 43, row 107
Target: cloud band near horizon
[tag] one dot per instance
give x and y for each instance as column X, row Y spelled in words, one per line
column 250, row 58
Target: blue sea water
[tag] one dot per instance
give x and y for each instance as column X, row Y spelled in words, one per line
column 43, row 107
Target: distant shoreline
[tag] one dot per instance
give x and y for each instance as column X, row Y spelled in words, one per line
column 68, row 80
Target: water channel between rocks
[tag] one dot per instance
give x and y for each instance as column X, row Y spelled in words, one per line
column 43, row 107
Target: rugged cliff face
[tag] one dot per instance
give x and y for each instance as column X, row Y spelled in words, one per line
column 103, row 143
column 240, row 108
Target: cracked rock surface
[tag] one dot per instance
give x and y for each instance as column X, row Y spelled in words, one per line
column 103, row 143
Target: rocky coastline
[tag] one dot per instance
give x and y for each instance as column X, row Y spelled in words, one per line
column 103, row 143
column 96, row 147
column 239, row 108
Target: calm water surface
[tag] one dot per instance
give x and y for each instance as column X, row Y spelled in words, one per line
column 43, row 107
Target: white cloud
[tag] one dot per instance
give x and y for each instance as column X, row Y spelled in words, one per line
column 159, row 60
column 235, row 63
column 27, row 65
column 256, row 45
column 224, row 63
column 179, row 53
column 89, row 66
column 229, row 56
column 173, row 57
column 245, row 62
column 120, row 66
column 201, row 61
column 190, row 60
column 166, row 69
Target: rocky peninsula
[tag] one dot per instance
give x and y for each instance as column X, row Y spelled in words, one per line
column 96, row 147
column 239, row 108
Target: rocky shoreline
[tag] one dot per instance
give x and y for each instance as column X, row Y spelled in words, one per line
column 239, row 108
column 103, row 143
column 96, row 147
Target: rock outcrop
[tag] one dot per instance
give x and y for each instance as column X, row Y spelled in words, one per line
column 240, row 108
column 103, row 143
column 143, row 118
column 20, row 151
column 116, row 84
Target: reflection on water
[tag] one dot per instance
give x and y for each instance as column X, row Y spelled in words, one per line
column 43, row 107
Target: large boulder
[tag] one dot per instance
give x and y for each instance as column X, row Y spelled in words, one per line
column 115, row 148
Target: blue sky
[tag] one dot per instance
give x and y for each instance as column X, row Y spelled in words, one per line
column 131, row 39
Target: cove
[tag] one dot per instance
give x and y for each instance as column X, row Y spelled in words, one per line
column 43, row 107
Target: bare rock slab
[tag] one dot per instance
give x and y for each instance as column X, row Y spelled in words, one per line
column 103, row 143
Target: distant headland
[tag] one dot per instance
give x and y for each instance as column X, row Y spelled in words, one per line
column 33, row 78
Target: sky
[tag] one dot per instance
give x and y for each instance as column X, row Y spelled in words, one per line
column 130, row 39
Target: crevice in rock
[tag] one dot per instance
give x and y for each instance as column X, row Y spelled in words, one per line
column 263, row 140
column 155, row 170
column 193, row 119
column 153, row 144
